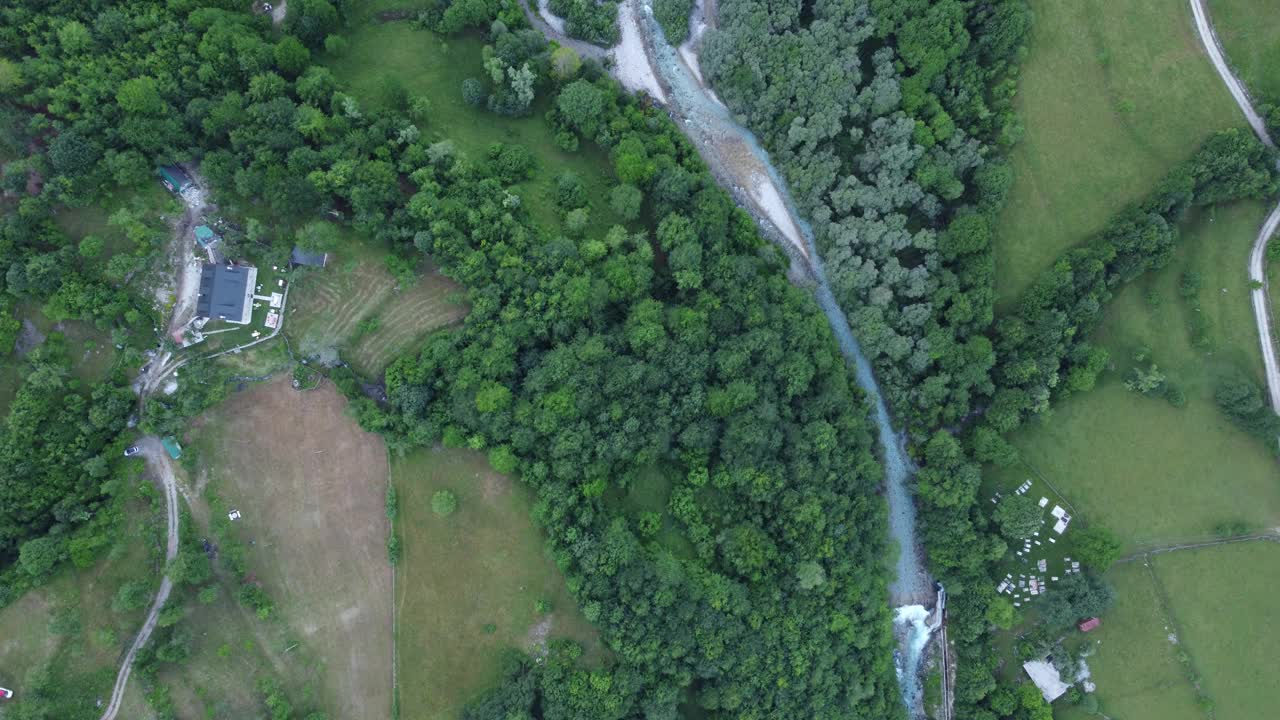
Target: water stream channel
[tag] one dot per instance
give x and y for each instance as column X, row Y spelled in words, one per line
column 645, row 61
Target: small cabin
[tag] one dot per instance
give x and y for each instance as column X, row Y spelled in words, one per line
column 1089, row 624
column 174, row 178
column 205, row 236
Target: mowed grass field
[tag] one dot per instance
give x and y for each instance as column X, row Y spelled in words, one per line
column 82, row 666
column 1133, row 663
column 432, row 66
column 1224, row 603
column 330, row 304
column 467, row 585
column 1251, row 37
column 311, row 487
column 1151, row 472
column 1112, row 95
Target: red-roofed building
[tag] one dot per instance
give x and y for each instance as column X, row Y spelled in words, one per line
column 1087, row 625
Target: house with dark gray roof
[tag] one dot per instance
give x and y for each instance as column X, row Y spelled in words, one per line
column 226, row 292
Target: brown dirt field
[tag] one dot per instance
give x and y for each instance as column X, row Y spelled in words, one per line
column 311, row 486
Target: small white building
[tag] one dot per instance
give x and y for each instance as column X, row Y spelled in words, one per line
column 1046, row 678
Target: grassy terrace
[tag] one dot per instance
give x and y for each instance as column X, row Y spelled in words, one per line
column 1113, row 95
column 334, row 307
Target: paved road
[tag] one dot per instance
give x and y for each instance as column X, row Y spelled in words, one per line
column 1257, row 257
column 159, row 463
column 1261, row 305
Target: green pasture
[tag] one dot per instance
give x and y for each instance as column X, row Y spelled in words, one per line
column 1223, row 600
column 1152, row 472
column 1112, row 95
column 1133, row 662
column 468, row 585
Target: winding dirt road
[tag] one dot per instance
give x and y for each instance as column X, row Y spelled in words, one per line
column 158, row 460
column 1257, row 257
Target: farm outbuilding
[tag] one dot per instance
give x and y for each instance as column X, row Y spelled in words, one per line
column 171, row 446
column 205, row 236
column 226, row 292
column 1047, row 679
column 1090, row 624
column 307, row 257
column 174, row 178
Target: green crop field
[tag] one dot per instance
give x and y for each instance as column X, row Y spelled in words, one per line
column 1112, row 95
column 1133, row 662
column 1152, row 472
column 329, row 305
column 1252, row 42
column 428, row 65
column 468, row 584
column 82, row 664
column 1223, row 601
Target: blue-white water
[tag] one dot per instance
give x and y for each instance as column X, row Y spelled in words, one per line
column 913, row 630
column 722, row 142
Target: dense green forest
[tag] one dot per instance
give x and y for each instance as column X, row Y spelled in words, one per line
column 594, row 356
column 895, row 155
column 584, row 362
column 587, row 359
column 888, row 119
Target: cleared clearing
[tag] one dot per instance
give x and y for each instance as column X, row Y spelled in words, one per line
column 1113, row 95
column 331, row 303
column 405, row 318
column 311, row 487
column 1223, row 601
column 467, row 585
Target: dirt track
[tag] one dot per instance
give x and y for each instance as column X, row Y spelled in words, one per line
column 158, row 462
column 1257, row 256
